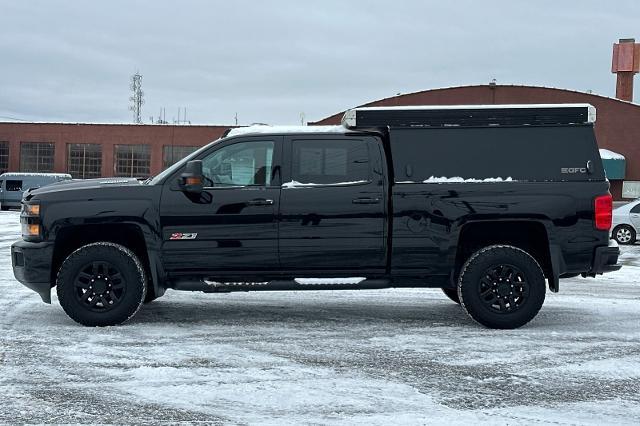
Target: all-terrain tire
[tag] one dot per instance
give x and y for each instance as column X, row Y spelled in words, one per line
column 501, row 286
column 624, row 234
column 452, row 293
column 101, row 284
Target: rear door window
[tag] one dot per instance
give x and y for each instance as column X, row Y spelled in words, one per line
column 330, row 161
column 14, row 185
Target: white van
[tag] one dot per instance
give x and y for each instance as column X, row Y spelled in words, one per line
column 12, row 185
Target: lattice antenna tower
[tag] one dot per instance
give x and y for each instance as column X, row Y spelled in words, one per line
column 136, row 98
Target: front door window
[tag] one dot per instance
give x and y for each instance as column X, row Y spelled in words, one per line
column 240, row 164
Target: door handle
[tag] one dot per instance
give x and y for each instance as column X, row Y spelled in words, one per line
column 260, row 202
column 365, row 200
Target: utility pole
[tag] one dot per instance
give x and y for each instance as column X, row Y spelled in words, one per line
column 136, row 98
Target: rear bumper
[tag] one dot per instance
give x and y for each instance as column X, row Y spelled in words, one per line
column 605, row 259
column 32, row 266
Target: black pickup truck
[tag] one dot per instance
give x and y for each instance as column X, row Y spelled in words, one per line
column 490, row 203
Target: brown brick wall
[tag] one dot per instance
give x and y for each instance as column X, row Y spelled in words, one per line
column 107, row 135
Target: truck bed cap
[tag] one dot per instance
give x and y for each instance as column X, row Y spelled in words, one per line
column 469, row 115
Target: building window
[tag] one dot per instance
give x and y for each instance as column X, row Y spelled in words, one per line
column 171, row 154
column 4, row 157
column 132, row 161
column 84, row 160
column 36, row 157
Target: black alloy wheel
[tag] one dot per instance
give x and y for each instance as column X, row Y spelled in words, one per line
column 502, row 286
column 101, row 284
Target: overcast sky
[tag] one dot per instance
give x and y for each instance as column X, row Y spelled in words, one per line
column 272, row 61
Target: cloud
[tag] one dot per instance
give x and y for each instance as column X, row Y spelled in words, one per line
column 270, row 61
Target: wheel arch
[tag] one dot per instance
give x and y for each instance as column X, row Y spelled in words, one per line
column 130, row 235
column 527, row 234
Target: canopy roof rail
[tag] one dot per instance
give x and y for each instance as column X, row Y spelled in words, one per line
column 469, row 115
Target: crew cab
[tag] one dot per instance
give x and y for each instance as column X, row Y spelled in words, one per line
column 493, row 204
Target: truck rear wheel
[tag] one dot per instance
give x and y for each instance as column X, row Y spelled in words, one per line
column 501, row 286
column 101, row 284
column 452, row 294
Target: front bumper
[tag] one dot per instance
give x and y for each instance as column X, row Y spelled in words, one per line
column 32, row 266
column 605, row 259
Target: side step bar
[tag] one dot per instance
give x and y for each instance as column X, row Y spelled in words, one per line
column 212, row 286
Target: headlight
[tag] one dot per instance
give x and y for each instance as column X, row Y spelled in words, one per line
column 30, row 222
column 30, row 230
column 31, row 209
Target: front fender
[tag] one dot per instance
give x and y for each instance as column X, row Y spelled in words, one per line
column 114, row 220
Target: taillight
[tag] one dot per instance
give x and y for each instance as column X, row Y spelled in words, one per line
column 603, row 212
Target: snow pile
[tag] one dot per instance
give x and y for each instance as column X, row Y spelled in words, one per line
column 296, row 184
column 605, row 154
column 286, row 129
column 62, row 175
column 458, row 179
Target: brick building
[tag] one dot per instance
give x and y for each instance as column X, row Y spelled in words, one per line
column 99, row 150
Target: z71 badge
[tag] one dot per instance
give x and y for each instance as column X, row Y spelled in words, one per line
column 183, row 236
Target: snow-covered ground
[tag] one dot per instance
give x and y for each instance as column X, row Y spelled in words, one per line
column 370, row 357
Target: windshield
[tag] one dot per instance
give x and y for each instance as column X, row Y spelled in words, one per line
column 171, row 169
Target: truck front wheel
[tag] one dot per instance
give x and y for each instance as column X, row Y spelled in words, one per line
column 101, row 284
column 501, row 286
